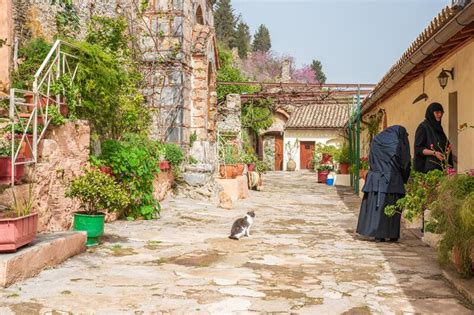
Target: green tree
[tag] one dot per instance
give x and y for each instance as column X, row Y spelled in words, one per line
column 318, row 70
column 261, row 39
column 242, row 39
column 224, row 22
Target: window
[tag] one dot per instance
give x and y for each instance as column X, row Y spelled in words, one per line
column 199, row 16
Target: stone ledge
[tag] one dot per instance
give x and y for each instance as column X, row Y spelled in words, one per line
column 465, row 287
column 47, row 250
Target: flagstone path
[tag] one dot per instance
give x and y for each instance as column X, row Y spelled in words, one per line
column 302, row 257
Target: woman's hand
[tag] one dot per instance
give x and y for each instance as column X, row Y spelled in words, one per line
column 439, row 156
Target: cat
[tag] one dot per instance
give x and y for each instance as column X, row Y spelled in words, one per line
column 241, row 227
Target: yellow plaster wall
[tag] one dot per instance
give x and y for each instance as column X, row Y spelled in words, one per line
column 401, row 111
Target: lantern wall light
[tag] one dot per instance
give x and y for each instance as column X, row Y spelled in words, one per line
column 443, row 77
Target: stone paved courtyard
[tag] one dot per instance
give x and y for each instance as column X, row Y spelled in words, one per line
column 303, row 257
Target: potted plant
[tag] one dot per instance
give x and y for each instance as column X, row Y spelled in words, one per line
column 229, row 168
column 249, row 159
column 262, row 167
column 19, row 227
column 6, row 161
column 452, row 212
column 364, row 167
column 323, row 172
column 98, row 194
column 343, row 158
column 291, row 150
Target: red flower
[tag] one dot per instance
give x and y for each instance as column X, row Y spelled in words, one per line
column 432, row 146
column 451, row 171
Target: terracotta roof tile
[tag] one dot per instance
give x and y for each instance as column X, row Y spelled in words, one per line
column 318, row 116
column 436, row 24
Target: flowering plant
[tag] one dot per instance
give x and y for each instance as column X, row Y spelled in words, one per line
column 364, row 163
column 444, row 162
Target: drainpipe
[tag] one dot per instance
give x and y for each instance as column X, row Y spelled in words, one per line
column 457, row 23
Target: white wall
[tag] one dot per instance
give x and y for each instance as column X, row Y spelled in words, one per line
column 328, row 136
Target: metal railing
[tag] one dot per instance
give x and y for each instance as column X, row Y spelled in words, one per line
column 30, row 110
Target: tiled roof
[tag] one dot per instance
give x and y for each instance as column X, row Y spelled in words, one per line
column 315, row 116
column 436, row 24
column 201, row 35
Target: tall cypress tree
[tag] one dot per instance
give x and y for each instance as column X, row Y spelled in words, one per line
column 242, row 39
column 261, row 39
column 318, row 70
column 224, row 22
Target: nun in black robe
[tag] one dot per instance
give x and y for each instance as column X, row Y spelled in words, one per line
column 389, row 170
column 430, row 135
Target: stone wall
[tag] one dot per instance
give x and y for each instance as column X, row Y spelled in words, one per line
column 165, row 39
column 228, row 118
column 64, row 152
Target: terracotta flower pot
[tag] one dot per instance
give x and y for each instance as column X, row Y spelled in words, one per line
column 363, row 174
column 240, row 169
column 228, row 171
column 344, row 168
column 17, row 232
column 106, row 170
column 164, row 165
column 26, row 150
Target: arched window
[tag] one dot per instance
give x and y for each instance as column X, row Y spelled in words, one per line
column 199, row 16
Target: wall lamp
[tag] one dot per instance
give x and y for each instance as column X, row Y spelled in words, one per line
column 443, row 77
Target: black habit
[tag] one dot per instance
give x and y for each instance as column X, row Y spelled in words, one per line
column 389, row 162
column 430, row 135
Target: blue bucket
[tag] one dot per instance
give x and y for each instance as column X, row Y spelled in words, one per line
column 330, row 181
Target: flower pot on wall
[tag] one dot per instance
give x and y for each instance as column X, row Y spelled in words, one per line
column 344, row 168
column 228, row 171
column 291, row 165
column 17, row 232
column 92, row 224
column 240, row 169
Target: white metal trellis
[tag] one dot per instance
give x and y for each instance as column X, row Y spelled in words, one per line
column 25, row 114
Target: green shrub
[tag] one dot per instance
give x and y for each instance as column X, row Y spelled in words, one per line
column 453, row 213
column 421, row 191
column 32, row 54
column 97, row 192
column 135, row 167
column 261, row 166
column 174, row 154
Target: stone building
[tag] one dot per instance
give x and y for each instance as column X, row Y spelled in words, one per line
column 176, row 39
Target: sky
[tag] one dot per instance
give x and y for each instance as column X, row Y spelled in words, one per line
column 357, row 41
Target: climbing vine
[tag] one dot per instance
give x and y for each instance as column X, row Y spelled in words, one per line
column 67, row 19
column 257, row 115
column 373, row 124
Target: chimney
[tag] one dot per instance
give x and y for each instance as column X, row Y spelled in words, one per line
column 285, row 71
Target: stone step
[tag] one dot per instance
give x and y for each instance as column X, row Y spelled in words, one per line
column 46, row 251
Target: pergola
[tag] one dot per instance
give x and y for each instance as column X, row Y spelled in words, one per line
column 314, row 94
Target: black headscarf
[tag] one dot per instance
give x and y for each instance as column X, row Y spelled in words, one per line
column 434, row 125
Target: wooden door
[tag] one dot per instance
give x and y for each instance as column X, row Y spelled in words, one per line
column 279, row 153
column 306, row 154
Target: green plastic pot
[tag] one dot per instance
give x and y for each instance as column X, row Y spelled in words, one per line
column 92, row 224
